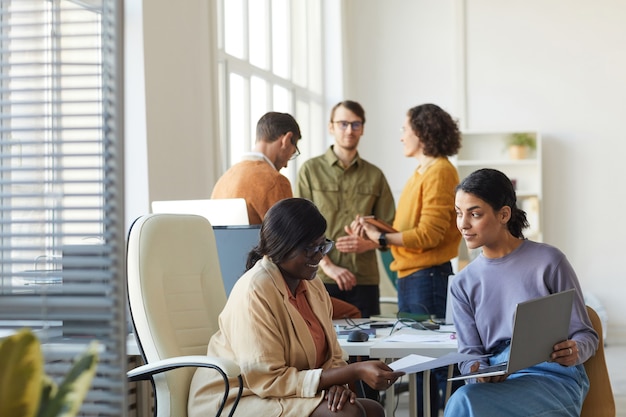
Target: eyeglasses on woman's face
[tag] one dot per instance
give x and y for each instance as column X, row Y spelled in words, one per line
column 343, row 125
column 324, row 248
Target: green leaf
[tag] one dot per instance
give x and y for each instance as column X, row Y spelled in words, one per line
column 523, row 139
column 72, row 391
column 48, row 391
column 21, row 370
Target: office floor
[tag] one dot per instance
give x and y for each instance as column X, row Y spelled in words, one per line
column 615, row 357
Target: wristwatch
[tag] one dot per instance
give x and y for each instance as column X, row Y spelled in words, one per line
column 382, row 241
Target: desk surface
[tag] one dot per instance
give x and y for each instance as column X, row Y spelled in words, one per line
column 380, row 347
column 375, row 347
column 393, row 350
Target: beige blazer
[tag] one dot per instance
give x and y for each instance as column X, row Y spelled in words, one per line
column 262, row 331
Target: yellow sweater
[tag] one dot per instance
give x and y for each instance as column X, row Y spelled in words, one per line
column 425, row 215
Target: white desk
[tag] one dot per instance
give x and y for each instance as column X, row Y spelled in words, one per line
column 380, row 348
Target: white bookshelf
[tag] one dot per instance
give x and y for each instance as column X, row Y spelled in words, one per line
column 481, row 149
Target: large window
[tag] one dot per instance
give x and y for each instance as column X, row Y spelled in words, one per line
column 270, row 57
column 61, row 193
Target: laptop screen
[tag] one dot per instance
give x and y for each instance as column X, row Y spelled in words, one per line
column 219, row 212
column 449, row 319
column 233, row 245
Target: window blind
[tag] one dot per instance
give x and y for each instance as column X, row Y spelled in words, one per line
column 62, row 243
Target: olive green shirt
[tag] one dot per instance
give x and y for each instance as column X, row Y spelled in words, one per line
column 341, row 194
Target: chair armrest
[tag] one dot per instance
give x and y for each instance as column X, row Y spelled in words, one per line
column 225, row 367
column 143, row 372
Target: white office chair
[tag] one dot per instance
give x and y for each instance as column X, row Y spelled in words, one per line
column 176, row 293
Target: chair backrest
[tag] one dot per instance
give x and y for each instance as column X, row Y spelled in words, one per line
column 599, row 401
column 175, row 293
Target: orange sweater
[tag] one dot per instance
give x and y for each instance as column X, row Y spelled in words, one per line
column 425, row 215
column 257, row 182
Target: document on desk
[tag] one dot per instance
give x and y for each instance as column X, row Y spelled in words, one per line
column 428, row 337
column 416, row 363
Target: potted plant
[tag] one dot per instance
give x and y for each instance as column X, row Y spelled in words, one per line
column 25, row 390
column 520, row 143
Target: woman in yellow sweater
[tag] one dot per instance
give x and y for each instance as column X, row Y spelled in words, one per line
column 427, row 237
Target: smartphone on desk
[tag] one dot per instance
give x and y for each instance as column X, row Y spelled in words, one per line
column 381, row 325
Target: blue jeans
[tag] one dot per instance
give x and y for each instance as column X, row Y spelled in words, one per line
column 547, row 389
column 425, row 292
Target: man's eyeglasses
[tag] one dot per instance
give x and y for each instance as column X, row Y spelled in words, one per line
column 324, row 248
column 296, row 153
column 343, row 125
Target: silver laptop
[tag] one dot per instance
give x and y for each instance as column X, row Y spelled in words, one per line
column 449, row 319
column 538, row 325
column 219, row 212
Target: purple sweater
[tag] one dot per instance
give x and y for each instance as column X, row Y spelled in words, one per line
column 486, row 292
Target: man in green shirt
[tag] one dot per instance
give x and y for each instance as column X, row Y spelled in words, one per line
column 343, row 185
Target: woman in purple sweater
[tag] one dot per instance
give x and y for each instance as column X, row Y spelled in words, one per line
column 510, row 270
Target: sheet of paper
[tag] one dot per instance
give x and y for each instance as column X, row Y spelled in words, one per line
column 447, row 328
column 409, row 361
column 432, row 337
column 411, row 364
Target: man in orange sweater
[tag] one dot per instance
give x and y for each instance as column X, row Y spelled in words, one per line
column 257, row 178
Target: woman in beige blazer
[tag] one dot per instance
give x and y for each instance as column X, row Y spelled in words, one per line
column 277, row 325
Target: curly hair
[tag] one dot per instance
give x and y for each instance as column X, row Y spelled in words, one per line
column 436, row 130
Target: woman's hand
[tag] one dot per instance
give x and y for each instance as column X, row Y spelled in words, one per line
column 377, row 374
column 565, row 353
column 355, row 228
column 338, row 395
column 362, row 228
column 496, row 378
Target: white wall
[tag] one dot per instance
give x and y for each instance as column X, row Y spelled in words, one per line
column 171, row 102
column 399, row 54
column 556, row 66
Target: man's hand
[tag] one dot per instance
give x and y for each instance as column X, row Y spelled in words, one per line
column 345, row 279
column 354, row 244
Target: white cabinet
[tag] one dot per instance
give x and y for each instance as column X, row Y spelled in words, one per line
column 491, row 150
